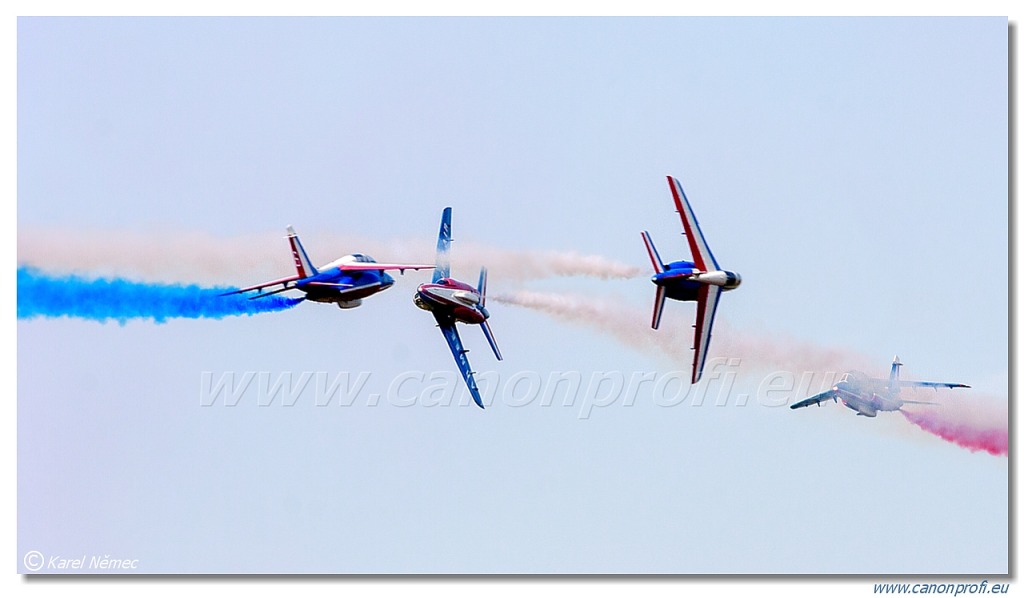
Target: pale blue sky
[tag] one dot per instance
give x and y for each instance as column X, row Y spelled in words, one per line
column 854, row 171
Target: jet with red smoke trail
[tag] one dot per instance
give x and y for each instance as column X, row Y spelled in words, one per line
column 700, row 280
column 867, row 396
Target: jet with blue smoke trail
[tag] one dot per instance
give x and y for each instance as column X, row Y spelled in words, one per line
column 346, row 281
column 52, row 296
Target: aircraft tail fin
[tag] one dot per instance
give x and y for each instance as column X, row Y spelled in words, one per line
column 442, row 264
column 894, row 373
column 303, row 266
column 659, row 267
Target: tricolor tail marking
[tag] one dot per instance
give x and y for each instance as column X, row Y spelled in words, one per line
column 303, row 266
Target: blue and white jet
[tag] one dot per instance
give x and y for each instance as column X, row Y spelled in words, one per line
column 451, row 301
column 701, row 280
column 346, row 281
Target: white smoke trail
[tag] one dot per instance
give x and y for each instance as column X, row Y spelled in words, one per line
column 156, row 257
column 206, row 258
column 632, row 326
column 532, row 264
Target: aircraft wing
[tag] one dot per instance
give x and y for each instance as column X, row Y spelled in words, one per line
column 259, row 287
column 331, row 285
column 932, row 384
column 707, row 303
column 362, row 267
column 451, row 334
column 817, row 399
column 702, row 255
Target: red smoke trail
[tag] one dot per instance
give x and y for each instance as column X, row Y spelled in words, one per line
column 974, row 422
column 973, row 425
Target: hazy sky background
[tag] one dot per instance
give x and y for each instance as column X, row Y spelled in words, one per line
column 854, row 171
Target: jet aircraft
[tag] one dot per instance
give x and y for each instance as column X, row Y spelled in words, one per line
column 346, row 281
column 867, row 396
column 700, row 280
column 452, row 301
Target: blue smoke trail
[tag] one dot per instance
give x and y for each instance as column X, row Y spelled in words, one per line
column 41, row 295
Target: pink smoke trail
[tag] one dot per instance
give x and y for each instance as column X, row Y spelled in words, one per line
column 976, row 424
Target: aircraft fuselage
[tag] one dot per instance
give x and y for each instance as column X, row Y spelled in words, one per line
column 866, row 396
column 353, row 286
column 682, row 280
column 448, row 296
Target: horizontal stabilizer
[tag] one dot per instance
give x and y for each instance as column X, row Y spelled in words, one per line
column 270, row 293
column 659, row 306
column 912, row 383
column 652, row 252
column 263, row 285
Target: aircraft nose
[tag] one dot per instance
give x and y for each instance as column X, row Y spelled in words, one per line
column 732, row 280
